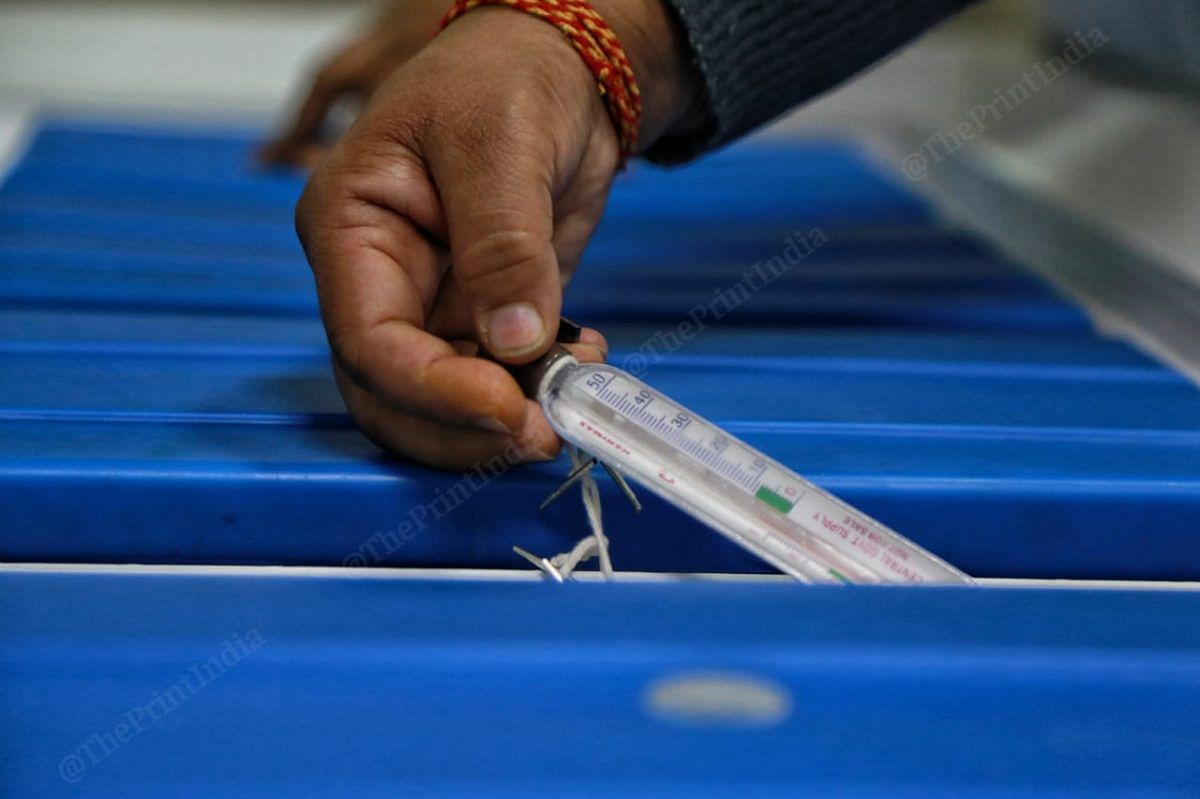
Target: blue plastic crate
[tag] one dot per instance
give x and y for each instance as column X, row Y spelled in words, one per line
column 140, row 685
column 164, row 395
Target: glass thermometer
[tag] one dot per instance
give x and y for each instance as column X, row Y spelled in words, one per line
column 758, row 502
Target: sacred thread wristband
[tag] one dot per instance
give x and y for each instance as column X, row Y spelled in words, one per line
column 597, row 45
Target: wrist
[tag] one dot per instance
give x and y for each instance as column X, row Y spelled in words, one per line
column 671, row 86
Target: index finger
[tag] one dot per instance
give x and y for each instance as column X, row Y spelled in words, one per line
column 377, row 274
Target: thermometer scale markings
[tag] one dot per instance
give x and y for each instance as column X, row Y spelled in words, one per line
column 699, row 449
column 705, row 452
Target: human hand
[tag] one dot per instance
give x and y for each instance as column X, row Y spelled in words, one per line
column 454, row 212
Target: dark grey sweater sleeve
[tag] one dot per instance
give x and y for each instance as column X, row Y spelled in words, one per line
column 760, row 58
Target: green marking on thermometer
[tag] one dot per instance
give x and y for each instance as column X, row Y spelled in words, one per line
column 774, row 500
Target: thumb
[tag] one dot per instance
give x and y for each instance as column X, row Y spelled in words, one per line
column 499, row 213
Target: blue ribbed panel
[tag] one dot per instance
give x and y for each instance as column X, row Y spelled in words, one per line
column 164, row 395
column 383, row 688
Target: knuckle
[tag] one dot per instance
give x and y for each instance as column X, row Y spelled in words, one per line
column 305, row 213
column 500, row 260
column 348, row 349
column 510, row 114
column 401, row 123
column 315, row 217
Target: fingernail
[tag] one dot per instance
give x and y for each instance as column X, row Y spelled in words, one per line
column 600, row 352
column 492, row 425
column 514, row 329
column 532, row 453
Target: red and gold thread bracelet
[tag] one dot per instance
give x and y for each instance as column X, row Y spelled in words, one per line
column 597, row 45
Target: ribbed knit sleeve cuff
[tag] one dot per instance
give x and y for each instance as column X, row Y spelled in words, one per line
column 760, row 58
